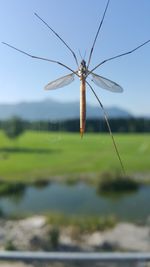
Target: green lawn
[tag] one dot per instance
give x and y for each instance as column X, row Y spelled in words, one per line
column 37, row 155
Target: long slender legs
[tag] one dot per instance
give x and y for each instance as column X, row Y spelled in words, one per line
column 58, row 36
column 100, row 25
column 109, row 128
column 41, row 58
column 120, row 55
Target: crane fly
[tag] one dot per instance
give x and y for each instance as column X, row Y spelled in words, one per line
column 83, row 72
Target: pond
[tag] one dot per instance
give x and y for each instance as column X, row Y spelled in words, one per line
column 78, row 199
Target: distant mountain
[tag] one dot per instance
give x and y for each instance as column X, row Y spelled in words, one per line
column 53, row 110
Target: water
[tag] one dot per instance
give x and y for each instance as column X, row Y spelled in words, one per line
column 79, row 199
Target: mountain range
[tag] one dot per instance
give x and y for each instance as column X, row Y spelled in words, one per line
column 52, row 110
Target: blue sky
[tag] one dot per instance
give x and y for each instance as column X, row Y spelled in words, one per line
column 126, row 25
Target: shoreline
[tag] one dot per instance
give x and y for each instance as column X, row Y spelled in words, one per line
column 35, row 234
column 91, row 178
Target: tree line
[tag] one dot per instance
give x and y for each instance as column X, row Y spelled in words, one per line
column 15, row 126
column 139, row 125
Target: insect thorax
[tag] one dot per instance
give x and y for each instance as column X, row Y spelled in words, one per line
column 82, row 71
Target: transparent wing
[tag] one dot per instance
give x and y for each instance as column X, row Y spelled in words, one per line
column 106, row 83
column 61, row 82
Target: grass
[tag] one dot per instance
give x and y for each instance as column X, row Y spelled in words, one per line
column 115, row 183
column 10, row 246
column 82, row 224
column 11, row 188
column 40, row 155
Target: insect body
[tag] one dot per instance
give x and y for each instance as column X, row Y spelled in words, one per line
column 82, row 73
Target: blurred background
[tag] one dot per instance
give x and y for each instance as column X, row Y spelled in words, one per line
column 64, row 188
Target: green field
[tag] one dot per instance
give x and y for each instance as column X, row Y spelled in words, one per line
column 41, row 155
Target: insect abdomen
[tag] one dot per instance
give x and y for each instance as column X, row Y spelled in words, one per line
column 82, row 106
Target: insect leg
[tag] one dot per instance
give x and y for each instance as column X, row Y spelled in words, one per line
column 73, row 53
column 120, row 55
column 100, row 25
column 41, row 58
column 109, row 128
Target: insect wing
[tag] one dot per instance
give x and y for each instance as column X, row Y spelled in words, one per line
column 61, row 82
column 106, row 83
